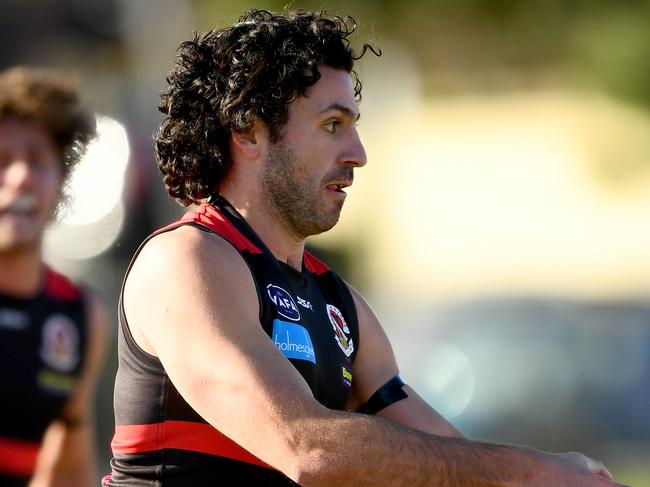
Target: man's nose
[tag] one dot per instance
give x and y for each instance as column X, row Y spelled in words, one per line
column 19, row 173
column 355, row 153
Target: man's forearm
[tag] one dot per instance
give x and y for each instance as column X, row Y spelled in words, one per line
column 356, row 450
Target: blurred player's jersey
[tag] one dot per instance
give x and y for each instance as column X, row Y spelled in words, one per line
column 42, row 340
column 309, row 316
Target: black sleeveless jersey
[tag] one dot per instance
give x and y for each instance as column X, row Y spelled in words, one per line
column 310, row 317
column 42, row 343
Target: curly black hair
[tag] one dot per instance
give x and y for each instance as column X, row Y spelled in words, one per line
column 225, row 79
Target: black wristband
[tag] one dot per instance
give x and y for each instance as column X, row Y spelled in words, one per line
column 386, row 395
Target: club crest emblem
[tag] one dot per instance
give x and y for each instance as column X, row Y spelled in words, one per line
column 60, row 344
column 341, row 330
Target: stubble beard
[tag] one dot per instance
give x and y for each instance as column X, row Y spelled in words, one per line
column 293, row 197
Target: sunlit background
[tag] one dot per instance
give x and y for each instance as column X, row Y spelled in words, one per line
column 501, row 227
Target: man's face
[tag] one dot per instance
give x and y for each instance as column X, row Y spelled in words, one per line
column 305, row 172
column 30, row 183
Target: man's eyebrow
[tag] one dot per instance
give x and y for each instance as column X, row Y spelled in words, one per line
column 342, row 108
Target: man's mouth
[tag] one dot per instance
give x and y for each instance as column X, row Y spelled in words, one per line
column 23, row 205
column 339, row 186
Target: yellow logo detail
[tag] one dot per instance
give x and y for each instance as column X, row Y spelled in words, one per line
column 55, row 381
column 346, row 374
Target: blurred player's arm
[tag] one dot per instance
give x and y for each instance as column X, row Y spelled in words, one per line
column 190, row 299
column 375, row 365
column 67, row 456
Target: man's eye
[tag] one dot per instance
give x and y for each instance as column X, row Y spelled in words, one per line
column 332, row 126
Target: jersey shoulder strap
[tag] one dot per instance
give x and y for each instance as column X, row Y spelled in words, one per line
column 59, row 287
column 208, row 217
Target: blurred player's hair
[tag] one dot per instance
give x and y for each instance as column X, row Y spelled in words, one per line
column 51, row 99
column 225, row 79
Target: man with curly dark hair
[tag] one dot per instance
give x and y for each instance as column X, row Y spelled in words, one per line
column 52, row 332
column 244, row 360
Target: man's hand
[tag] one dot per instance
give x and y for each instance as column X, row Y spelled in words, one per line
column 574, row 470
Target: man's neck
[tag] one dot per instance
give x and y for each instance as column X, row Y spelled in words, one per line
column 280, row 241
column 21, row 272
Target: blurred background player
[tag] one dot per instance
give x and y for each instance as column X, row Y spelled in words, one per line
column 52, row 332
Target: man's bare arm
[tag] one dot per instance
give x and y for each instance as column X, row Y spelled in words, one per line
column 190, row 300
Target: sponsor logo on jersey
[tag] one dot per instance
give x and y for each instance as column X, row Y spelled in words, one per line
column 283, row 302
column 293, row 341
column 12, row 319
column 341, row 330
column 346, row 377
column 304, row 303
column 60, row 343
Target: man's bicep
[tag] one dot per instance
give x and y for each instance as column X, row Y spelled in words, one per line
column 375, row 365
column 79, row 407
column 375, row 361
column 202, row 321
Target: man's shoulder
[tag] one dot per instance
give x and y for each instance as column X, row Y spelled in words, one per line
column 186, row 245
column 180, row 275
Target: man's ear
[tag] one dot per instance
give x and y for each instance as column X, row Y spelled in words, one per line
column 249, row 142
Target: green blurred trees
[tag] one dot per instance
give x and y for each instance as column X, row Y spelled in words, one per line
column 480, row 45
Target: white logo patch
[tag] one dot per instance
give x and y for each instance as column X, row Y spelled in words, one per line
column 60, row 343
column 341, row 330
